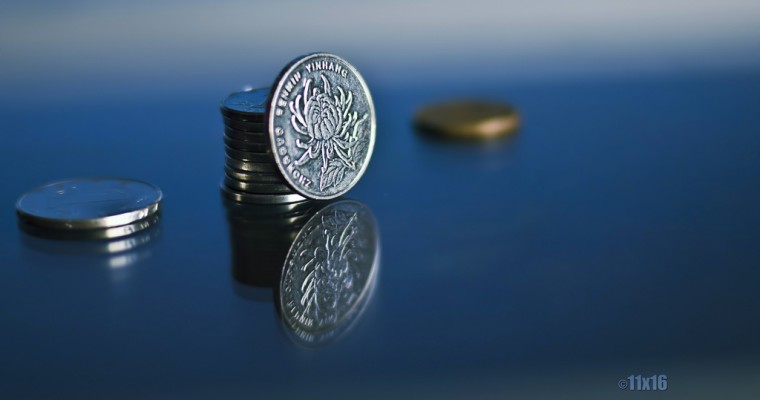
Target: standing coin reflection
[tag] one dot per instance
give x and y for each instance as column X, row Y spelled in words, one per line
column 329, row 272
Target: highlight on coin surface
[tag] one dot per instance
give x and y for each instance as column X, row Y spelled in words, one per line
column 90, row 203
column 115, row 232
column 322, row 125
column 113, row 248
column 329, row 273
column 468, row 119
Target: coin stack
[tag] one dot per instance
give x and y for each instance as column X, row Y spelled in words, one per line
column 251, row 174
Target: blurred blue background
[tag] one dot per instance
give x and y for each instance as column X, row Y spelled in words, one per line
column 66, row 49
column 615, row 234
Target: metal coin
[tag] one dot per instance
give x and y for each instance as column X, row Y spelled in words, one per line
column 247, row 146
column 262, row 136
column 248, row 166
column 257, row 188
column 248, row 105
column 468, row 119
column 254, row 176
column 248, row 155
column 89, row 203
column 244, row 125
column 252, row 117
column 243, row 197
column 90, row 234
column 329, row 273
column 322, row 125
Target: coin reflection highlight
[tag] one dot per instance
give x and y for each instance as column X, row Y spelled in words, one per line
column 114, row 248
column 321, row 259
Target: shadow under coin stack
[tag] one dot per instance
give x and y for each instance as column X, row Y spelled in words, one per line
column 261, row 236
column 250, row 173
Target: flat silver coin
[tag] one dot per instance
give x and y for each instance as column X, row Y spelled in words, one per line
column 249, row 105
column 256, row 187
column 248, row 166
column 254, row 176
column 242, row 197
column 89, row 203
column 329, row 272
column 321, row 125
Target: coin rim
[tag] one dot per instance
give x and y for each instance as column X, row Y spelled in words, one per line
column 116, row 232
column 246, row 176
column 109, row 221
column 241, row 145
column 254, row 166
column 237, row 134
column 260, row 139
column 247, row 156
column 277, row 88
column 258, row 115
column 245, row 126
column 240, row 197
column 256, row 187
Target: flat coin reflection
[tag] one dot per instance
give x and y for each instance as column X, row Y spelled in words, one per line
column 329, row 271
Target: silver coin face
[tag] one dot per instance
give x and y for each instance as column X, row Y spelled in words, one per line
column 89, row 203
column 247, row 102
column 321, row 125
column 329, row 272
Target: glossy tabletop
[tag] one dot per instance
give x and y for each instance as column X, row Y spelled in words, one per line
column 616, row 234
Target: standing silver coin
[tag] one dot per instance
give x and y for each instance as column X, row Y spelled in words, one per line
column 89, row 203
column 322, row 125
column 329, row 272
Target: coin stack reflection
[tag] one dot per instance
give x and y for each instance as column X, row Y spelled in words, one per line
column 260, row 236
column 251, row 174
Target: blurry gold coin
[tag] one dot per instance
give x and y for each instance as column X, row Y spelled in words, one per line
column 468, row 119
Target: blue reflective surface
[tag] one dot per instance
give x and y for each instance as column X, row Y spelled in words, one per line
column 616, row 234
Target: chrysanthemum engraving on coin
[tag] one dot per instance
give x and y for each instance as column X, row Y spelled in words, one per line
column 330, row 129
column 322, row 125
column 329, row 271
